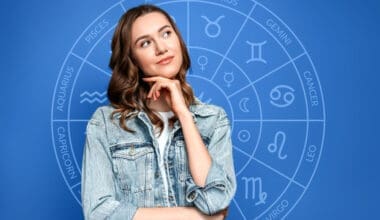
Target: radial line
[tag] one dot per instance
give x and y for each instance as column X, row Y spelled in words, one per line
column 91, row 64
column 233, row 41
column 268, row 74
column 271, row 168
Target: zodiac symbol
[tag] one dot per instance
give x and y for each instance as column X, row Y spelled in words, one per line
column 273, row 147
column 212, row 23
column 86, row 94
column 202, row 61
column 253, row 184
column 243, row 104
column 244, row 136
column 256, row 56
column 228, row 78
column 288, row 97
column 201, row 97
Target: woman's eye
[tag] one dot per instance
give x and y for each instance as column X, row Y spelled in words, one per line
column 167, row 33
column 145, row 43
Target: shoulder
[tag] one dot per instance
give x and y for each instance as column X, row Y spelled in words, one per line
column 101, row 115
column 214, row 112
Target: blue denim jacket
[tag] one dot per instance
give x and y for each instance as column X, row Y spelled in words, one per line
column 120, row 170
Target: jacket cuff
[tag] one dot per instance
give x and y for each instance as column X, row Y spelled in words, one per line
column 124, row 211
column 114, row 210
column 212, row 197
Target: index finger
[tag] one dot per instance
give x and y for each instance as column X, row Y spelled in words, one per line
column 152, row 78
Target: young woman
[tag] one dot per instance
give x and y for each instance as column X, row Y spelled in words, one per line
column 156, row 152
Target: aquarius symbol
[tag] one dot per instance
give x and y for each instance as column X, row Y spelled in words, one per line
column 91, row 95
column 273, row 147
column 244, row 136
column 287, row 97
column 202, row 61
column 252, row 185
column 229, row 78
column 256, row 56
column 218, row 28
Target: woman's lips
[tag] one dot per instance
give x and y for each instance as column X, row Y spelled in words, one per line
column 165, row 60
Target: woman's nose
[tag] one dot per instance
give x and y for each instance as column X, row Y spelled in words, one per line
column 160, row 48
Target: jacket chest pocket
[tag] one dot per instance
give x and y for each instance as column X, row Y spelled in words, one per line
column 134, row 165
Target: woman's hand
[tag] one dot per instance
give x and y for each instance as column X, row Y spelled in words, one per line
column 195, row 214
column 170, row 89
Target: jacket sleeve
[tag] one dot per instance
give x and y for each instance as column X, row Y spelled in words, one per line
column 220, row 185
column 99, row 197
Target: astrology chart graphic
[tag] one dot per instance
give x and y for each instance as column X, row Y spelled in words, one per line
column 245, row 59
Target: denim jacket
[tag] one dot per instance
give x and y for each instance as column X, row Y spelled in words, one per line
column 120, row 170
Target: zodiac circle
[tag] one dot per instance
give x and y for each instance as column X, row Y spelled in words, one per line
column 223, row 75
column 218, row 28
column 273, row 147
column 287, row 98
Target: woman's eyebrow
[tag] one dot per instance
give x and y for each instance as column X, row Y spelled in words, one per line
column 159, row 30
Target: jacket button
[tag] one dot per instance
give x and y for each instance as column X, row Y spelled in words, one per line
column 132, row 151
column 192, row 196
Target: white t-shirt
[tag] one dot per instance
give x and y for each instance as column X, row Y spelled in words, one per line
column 163, row 143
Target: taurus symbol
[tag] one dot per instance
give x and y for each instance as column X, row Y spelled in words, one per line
column 218, row 28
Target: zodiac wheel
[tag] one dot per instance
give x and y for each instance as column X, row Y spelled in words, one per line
column 245, row 59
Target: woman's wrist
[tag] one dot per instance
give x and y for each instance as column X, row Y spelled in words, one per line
column 184, row 114
column 189, row 213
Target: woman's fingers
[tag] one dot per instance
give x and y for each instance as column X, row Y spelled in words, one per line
column 173, row 96
column 152, row 92
column 155, row 89
column 157, row 93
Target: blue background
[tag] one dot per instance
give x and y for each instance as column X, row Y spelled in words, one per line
column 340, row 36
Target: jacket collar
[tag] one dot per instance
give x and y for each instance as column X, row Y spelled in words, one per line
column 197, row 108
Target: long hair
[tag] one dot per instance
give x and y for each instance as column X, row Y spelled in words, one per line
column 127, row 92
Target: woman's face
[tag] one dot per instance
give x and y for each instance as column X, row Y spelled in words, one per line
column 155, row 46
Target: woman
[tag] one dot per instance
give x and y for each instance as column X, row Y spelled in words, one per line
column 156, row 152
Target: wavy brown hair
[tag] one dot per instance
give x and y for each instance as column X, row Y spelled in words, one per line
column 127, row 91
